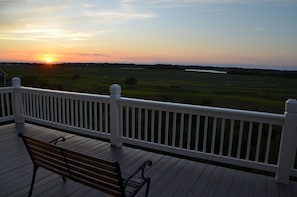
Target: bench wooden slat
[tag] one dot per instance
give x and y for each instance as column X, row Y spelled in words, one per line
column 46, row 153
column 80, row 158
column 42, row 145
column 68, row 169
column 71, row 154
column 45, row 159
column 96, row 172
column 97, row 186
column 91, row 171
column 87, row 157
column 53, row 168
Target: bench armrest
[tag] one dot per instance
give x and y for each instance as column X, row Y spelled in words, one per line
column 140, row 169
column 55, row 141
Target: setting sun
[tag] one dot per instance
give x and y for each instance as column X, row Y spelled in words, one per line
column 49, row 60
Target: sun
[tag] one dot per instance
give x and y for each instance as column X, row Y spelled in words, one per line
column 49, row 60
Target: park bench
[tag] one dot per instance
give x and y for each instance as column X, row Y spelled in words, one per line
column 97, row 173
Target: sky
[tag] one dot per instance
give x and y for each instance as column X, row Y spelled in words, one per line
column 186, row 32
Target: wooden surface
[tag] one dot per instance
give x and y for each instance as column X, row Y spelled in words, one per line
column 170, row 176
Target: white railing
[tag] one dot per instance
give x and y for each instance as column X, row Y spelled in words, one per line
column 256, row 140
column 245, row 138
column 6, row 104
column 78, row 112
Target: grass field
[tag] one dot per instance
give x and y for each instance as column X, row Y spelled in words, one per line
column 242, row 91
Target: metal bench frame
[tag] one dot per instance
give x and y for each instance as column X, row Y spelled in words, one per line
column 97, row 173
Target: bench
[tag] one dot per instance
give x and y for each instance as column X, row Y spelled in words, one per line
column 99, row 174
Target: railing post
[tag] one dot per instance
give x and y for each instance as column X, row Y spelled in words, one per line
column 115, row 135
column 288, row 143
column 17, row 105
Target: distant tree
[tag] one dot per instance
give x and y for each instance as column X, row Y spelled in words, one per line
column 131, row 81
column 76, row 76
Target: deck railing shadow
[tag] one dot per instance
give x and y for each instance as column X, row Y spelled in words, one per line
column 255, row 140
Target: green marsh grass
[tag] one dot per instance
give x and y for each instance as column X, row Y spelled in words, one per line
column 249, row 92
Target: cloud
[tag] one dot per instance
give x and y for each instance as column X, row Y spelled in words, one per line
column 8, row 3
column 87, row 54
column 44, row 34
column 184, row 2
column 120, row 12
column 259, row 28
column 175, row 3
column 71, row 20
column 118, row 16
column 172, row 3
column 253, row 29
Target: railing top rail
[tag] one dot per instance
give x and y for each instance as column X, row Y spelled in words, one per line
column 6, row 89
column 218, row 112
column 77, row 95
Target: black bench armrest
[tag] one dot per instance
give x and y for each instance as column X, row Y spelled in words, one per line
column 140, row 169
column 55, row 141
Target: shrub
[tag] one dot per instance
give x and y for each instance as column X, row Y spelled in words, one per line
column 76, row 76
column 131, row 81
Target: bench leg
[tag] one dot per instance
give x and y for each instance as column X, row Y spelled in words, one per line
column 63, row 178
column 33, row 179
column 147, row 187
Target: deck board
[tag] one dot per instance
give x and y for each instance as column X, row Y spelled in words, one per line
column 170, row 176
column 214, row 179
column 237, row 184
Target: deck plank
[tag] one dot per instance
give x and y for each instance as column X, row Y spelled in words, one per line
column 223, row 188
column 247, row 185
column 272, row 187
column 170, row 176
column 210, row 189
column 294, row 188
column 237, row 184
column 203, row 180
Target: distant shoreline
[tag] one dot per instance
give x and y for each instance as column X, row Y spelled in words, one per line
column 206, row 71
column 198, row 66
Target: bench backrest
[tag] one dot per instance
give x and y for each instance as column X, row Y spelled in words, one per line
column 93, row 172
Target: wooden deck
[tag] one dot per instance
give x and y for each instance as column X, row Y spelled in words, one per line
column 170, row 176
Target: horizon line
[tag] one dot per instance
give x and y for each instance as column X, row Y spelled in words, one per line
column 221, row 65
